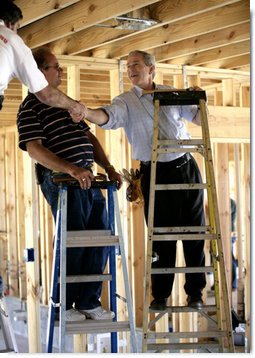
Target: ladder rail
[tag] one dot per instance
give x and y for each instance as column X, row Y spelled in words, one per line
column 212, row 196
column 148, row 256
column 54, row 279
column 62, row 281
column 125, row 274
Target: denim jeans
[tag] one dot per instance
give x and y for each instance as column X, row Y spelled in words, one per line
column 86, row 210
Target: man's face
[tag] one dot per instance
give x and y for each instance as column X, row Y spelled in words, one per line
column 52, row 71
column 138, row 73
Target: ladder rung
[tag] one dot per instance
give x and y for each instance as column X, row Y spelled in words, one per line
column 180, row 346
column 177, row 229
column 175, row 237
column 190, row 186
column 93, row 326
column 194, row 334
column 179, row 150
column 84, row 233
column 181, row 270
column 186, row 309
column 88, row 278
column 185, row 142
column 91, row 238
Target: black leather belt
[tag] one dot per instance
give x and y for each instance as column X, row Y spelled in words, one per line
column 176, row 163
column 1, row 101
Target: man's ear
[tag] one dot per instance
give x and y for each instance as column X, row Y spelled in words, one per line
column 8, row 24
column 152, row 69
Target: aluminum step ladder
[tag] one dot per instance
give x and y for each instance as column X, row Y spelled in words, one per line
column 6, row 328
column 220, row 338
column 89, row 238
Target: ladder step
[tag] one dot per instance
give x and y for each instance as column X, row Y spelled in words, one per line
column 185, row 142
column 191, row 186
column 180, row 346
column 181, row 270
column 175, row 237
column 93, row 326
column 91, row 238
column 178, row 229
column 88, row 278
column 180, row 150
column 186, row 309
column 194, row 334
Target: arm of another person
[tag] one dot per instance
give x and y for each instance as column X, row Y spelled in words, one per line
column 51, row 161
column 197, row 118
column 102, row 160
column 27, row 72
column 97, row 116
column 55, row 98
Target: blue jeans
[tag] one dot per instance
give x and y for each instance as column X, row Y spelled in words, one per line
column 86, row 210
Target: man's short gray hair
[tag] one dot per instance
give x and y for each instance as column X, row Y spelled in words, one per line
column 148, row 58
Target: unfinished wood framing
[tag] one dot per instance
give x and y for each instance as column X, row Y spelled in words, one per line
column 25, row 217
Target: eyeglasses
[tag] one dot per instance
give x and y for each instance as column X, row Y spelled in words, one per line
column 57, row 67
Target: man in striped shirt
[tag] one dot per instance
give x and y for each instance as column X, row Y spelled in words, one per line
column 57, row 143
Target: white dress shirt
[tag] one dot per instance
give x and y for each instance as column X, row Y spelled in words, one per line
column 134, row 111
column 16, row 60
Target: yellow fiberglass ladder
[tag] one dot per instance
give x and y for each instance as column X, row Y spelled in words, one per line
column 217, row 335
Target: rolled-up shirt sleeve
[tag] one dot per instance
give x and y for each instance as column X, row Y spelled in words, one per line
column 117, row 112
column 26, row 69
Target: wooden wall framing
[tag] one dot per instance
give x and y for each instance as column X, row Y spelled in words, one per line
column 25, row 218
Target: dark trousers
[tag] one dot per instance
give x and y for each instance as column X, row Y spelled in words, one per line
column 176, row 208
column 86, row 210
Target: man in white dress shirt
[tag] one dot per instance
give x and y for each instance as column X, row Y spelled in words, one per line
column 16, row 60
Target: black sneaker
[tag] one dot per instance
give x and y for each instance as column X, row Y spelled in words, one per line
column 195, row 302
column 158, row 304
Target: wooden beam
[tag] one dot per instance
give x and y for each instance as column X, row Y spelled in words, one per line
column 229, row 98
column 234, row 63
column 227, row 123
column 87, row 39
column 11, row 214
column 163, row 11
column 246, row 177
column 32, row 12
column 80, row 16
column 219, row 53
column 20, row 205
column 33, row 281
column 178, row 30
column 203, row 42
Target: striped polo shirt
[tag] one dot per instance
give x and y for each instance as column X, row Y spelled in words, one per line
column 54, row 126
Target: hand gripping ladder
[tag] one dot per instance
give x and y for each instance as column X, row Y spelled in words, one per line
column 221, row 336
column 91, row 238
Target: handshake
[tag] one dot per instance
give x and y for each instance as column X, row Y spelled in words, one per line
column 78, row 112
